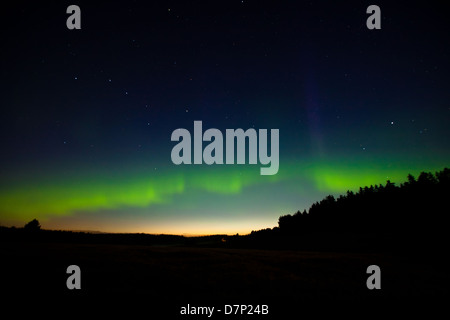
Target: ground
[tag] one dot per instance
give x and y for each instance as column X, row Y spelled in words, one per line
column 216, row 274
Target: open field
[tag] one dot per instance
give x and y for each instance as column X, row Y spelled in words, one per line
column 216, row 274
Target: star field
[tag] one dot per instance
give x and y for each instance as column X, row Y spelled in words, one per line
column 87, row 114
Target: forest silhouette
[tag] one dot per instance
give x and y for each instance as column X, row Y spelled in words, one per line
column 413, row 215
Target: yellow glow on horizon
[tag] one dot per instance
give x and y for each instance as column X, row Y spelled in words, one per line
column 182, row 228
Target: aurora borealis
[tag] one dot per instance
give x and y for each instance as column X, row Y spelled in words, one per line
column 87, row 115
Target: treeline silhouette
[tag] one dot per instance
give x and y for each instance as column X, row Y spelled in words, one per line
column 415, row 205
column 413, row 214
column 410, row 216
column 32, row 232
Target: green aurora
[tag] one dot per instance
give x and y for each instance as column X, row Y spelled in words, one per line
column 82, row 196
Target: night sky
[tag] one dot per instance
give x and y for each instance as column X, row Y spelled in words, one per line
column 87, row 115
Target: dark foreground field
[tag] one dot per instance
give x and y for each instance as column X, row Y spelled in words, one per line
column 216, row 274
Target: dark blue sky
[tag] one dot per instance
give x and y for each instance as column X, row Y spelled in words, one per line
column 87, row 114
